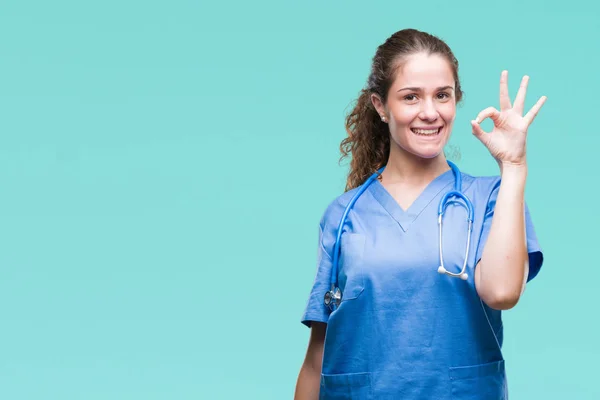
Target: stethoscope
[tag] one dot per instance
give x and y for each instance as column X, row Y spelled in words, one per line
column 333, row 297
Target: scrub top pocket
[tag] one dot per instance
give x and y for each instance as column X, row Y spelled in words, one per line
column 356, row 386
column 351, row 275
column 479, row 382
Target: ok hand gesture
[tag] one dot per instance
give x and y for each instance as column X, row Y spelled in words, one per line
column 507, row 140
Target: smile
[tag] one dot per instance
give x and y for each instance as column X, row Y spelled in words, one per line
column 426, row 132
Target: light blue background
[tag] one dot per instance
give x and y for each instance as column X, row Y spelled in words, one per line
column 164, row 166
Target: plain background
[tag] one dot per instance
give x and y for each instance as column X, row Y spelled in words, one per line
column 164, row 166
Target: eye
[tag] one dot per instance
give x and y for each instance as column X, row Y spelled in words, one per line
column 410, row 97
column 443, row 96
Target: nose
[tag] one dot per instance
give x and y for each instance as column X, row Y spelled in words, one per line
column 428, row 111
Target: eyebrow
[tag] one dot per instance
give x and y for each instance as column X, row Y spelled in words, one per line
column 416, row 89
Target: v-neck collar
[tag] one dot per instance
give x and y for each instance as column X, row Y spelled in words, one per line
column 405, row 218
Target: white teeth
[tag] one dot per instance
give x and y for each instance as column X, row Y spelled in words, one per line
column 425, row 131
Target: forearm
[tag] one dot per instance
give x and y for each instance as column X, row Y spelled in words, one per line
column 504, row 267
column 309, row 379
column 308, row 385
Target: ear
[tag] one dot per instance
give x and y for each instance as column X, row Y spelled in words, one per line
column 378, row 104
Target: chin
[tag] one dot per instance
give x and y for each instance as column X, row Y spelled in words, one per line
column 429, row 155
column 426, row 152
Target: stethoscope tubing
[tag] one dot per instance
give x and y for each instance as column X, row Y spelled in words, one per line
column 333, row 296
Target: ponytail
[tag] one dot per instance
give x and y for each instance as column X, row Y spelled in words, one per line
column 368, row 141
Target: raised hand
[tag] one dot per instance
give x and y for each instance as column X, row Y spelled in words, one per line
column 507, row 140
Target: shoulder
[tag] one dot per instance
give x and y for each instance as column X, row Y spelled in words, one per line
column 481, row 184
column 336, row 207
column 482, row 190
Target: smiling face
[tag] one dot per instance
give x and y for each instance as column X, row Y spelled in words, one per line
column 421, row 106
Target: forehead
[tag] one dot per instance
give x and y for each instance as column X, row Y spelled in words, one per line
column 424, row 71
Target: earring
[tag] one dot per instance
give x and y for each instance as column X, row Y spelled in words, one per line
column 383, row 119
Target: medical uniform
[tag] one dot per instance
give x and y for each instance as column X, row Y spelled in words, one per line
column 403, row 330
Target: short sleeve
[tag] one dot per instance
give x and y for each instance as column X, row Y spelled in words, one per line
column 315, row 309
column 536, row 257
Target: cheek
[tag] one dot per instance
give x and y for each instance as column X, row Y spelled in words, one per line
column 448, row 112
column 405, row 115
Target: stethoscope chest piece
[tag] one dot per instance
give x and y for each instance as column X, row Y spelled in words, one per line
column 333, row 298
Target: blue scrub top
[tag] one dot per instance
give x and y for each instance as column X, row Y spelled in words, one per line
column 402, row 330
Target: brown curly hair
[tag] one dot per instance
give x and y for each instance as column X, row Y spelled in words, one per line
column 368, row 138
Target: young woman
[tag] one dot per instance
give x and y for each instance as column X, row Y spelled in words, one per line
column 398, row 311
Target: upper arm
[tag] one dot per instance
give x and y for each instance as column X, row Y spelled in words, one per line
column 316, row 310
column 314, row 353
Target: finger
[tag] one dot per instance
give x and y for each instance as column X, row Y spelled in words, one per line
column 477, row 131
column 520, row 99
column 489, row 112
column 534, row 110
column 504, row 97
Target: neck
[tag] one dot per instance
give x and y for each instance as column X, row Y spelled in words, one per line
column 404, row 167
